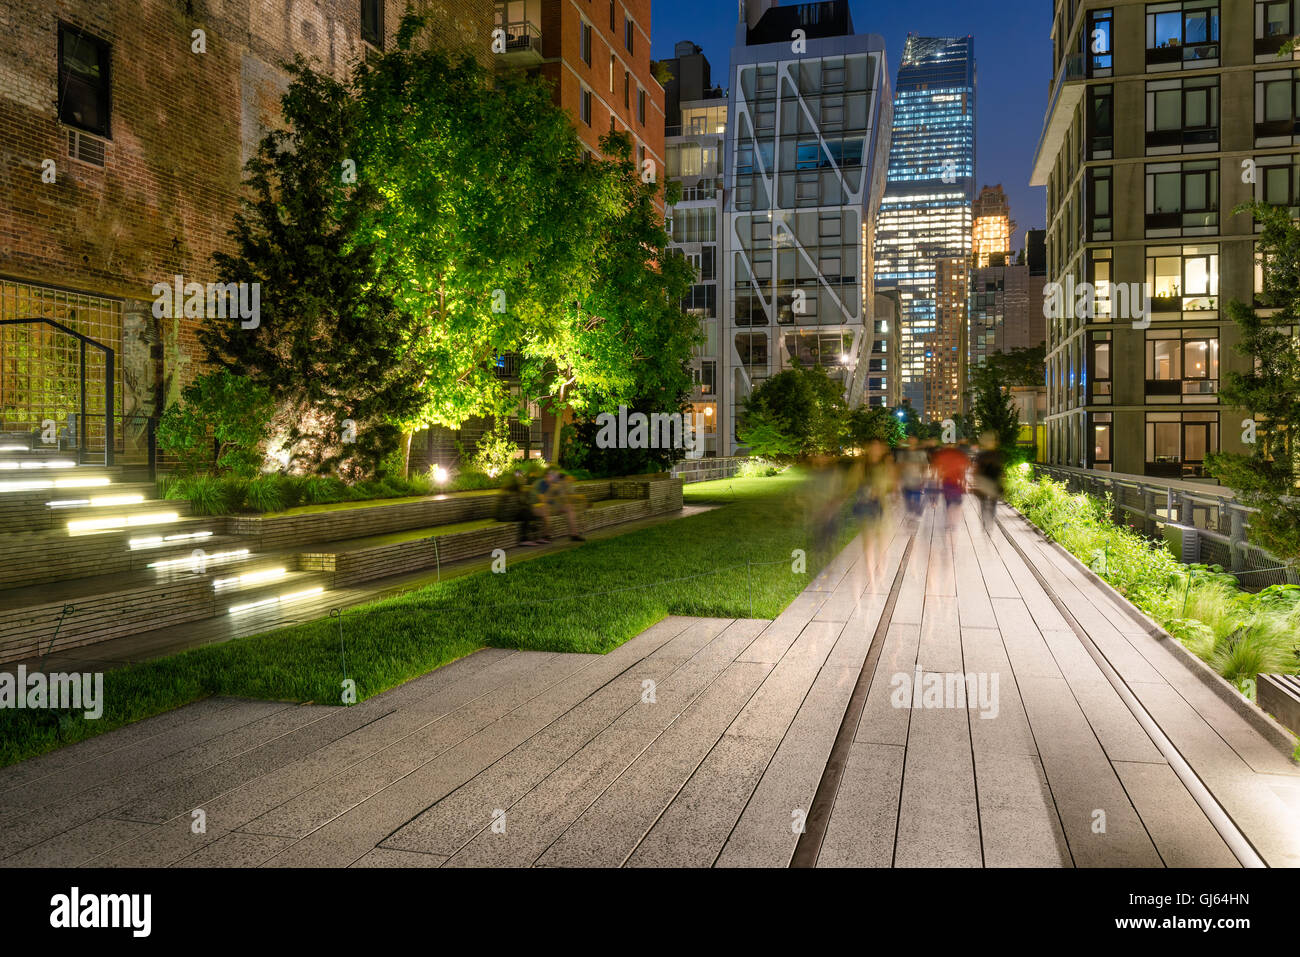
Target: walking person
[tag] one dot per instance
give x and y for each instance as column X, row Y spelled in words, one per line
column 990, row 467
column 951, row 465
column 914, row 467
column 875, row 483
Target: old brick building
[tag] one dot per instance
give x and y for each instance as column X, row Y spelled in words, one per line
column 123, row 131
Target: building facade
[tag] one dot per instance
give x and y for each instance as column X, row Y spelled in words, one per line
column 597, row 59
column 695, row 144
column 926, row 215
column 125, row 127
column 808, row 121
column 1163, row 117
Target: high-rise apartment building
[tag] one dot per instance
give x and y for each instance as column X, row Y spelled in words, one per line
column 926, row 215
column 808, row 134
column 695, row 145
column 1162, row 118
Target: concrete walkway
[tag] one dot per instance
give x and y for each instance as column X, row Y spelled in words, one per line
column 722, row 742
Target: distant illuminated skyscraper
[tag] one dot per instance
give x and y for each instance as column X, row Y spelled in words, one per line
column 926, row 215
column 993, row 228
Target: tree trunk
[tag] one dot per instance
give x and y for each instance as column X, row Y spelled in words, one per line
column 406, row 455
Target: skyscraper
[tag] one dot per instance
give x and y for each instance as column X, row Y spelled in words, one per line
column 926, row 213
column 808, row 134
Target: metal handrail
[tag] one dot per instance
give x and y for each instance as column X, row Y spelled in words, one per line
column 84, row 340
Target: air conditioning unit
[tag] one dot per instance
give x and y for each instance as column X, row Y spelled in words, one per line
column 86, row 148
column 1184, row 541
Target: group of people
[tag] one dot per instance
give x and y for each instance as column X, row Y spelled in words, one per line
column 923, row 472
column 534, row 502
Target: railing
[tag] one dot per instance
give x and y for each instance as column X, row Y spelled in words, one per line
column 521, row 36
column 1218, row 524
column 76, row 426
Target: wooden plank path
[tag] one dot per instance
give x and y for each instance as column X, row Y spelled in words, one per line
column 708, row 742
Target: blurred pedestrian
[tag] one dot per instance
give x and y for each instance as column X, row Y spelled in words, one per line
column 875, row 484
column 950, row 466
column 913, row 468
column 990, row 467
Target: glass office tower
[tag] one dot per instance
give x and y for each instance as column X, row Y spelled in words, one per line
column 926, row 213
column 808, row 133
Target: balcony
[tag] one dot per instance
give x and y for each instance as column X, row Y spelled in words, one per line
column 1067, row 91
column 523, row 42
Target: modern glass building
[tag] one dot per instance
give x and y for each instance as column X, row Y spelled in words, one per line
column 808, row 135
column 926, row 213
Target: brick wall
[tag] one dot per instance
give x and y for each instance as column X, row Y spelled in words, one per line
column 183, row 123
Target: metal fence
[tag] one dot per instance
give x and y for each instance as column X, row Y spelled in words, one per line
column 1203, row 523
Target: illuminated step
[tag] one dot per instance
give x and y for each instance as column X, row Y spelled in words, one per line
column 36, row 485
column 39, row 464
column 198, row 561
column 278, row 599
column 97, row 501
column 250, row 578
column 157, row 541
column 121, row 521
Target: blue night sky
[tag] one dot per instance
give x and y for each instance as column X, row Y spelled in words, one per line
column 1013, row 54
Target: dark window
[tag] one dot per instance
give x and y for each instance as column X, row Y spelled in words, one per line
column 1183, row 115
column 584, row 106
column 613, row 20
column 1183, row 196
column 372, row 22
column 627, row 90
column 640, row 106
column 84, row 81
column 1101, row 121
column 1099, row 196
column 627, row 33
column 584, row 44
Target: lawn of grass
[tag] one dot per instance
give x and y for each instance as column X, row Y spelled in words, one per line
column 733, row 561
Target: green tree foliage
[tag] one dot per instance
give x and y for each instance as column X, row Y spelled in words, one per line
column 1021, row 366
column 875, row 424
column 417, row 222
column 502, row 237
column 794, row 414
column 1268, row 476
column 993, row 408
column 221, row 422
column 331, row 344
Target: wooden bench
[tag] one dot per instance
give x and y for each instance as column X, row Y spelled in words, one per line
column 1279, row 695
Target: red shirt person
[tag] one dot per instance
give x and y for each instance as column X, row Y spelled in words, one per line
column 951, row 464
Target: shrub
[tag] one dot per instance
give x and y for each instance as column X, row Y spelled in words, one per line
column 323, row 490
column 1236, row 633
column 266, row 493
column 220, row 423
column 758, row 467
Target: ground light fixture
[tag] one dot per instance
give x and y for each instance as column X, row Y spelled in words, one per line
column 279, row 599
column 440, row 475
